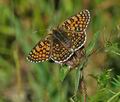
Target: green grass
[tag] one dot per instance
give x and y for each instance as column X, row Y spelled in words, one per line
column 24, row 22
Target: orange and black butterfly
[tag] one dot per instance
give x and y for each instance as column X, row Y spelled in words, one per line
column 63, row 42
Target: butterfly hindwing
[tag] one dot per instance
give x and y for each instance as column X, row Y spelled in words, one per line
column 41, row 52
column 78, row 39
column 60, row 52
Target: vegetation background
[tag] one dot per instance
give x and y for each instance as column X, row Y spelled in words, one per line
column 24, row 22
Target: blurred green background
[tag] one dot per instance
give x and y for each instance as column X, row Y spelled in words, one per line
column 24, row 22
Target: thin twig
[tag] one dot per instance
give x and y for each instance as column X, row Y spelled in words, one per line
column 84, row 89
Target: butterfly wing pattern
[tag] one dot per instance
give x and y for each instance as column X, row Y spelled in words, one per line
column 60, row 47
column 77, row 39
column 77, row 23
column 59, row 52
column 64, row 42
column 76, row 28
column 41, row 51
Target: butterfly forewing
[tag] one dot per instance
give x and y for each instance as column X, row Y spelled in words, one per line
column 77, row 22
column 41, row 52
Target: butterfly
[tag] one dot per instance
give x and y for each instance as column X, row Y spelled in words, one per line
column 63, row 43
column 76, row 58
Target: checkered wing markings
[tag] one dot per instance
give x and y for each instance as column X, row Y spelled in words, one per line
column 59, row 52
column 41, row 52
column 78, row 22
column 77, row 39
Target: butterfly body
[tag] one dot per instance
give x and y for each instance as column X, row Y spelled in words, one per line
column 61, row 35
column 76, row 58
column 64, row 42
